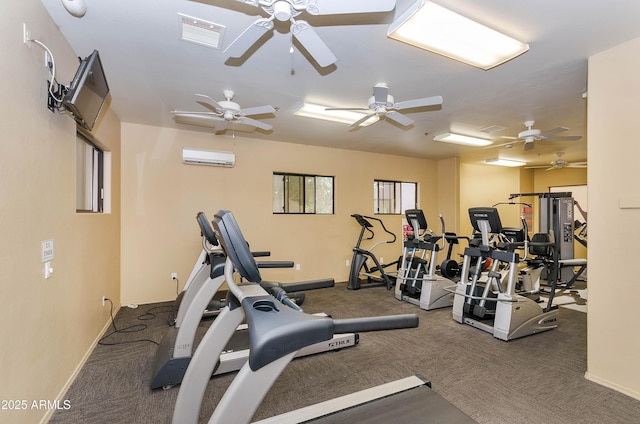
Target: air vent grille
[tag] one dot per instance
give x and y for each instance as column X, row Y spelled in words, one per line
column 491, row 129
column 201, row 32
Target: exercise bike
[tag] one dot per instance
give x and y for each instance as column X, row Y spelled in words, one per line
column 365, row 263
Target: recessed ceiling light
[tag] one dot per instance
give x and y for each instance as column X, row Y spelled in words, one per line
column 465, row 140
column 504, row 162
column 432, row 27
column 311, row 110
column 200, row 31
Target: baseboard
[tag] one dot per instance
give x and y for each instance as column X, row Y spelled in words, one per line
column 603, row 382
column 76, row 371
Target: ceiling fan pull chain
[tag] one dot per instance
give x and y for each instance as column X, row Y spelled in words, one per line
column 291, row 52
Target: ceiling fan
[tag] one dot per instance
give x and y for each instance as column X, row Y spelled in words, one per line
column 382, row 104
column 559, row 163
column 531, row 135
column 286, row 10
column 223, row 112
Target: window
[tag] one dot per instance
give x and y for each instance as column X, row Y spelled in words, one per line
column 90, row 171
column 394, row 197
column 296, row 193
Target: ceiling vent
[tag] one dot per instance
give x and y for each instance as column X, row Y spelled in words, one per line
column 491, row 129
column 208, row 157
column 200, row 31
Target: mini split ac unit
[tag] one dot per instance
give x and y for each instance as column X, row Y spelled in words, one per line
column 208, row 157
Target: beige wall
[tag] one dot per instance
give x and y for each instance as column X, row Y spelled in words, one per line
column 484, row 185
column 161, row 197
column 48, row 326
column 613, row 352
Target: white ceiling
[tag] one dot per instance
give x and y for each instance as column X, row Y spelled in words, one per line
column 151, row 71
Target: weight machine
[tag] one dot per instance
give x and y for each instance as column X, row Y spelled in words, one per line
column 557, row 219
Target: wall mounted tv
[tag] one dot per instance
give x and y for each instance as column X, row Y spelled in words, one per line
column 87, row 92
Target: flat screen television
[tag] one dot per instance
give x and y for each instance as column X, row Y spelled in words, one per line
column 87, row 91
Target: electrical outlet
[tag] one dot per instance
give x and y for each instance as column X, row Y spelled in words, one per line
column 346, row 262
column 174, row 276
column 47, row 60
column 297, row 267
column 104, row 299
column 26, row 35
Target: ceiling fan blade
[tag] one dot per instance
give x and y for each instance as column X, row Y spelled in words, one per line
column 312, row 43
column 361, row 120
column 335, row 7
column 427, row 101
column 563, row 138
column 209, row 121
column 188, row 113
column 537, row 167
column 553, row 131
column 255, row 123
column 399, row 118
column 209, row 102
column 510, row 144
column 577, row 165
column 381, row 93
column 258, row 110
column 248, row 37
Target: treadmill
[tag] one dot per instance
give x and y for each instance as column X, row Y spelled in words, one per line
column 175, row 350
column 278, row 329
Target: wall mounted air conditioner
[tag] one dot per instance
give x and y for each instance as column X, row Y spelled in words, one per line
column 208, row 157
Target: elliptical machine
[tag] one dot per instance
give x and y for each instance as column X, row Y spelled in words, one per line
column 417, row 281
column 494, row 306
column 361, row 266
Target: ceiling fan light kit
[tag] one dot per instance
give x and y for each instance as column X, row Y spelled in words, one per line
column 431, row 27
column 464, row 140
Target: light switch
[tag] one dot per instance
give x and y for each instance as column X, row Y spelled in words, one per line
column 48, row 270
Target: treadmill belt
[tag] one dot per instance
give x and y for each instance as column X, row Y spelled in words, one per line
column 418, row 405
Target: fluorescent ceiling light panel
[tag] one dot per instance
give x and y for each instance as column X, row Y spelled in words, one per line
column 311, row 110
column 504, row 162
column 200, row 31
column 462, row 139
column 432, row 27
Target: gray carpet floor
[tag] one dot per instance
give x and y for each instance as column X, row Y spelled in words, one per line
column 535, row 379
